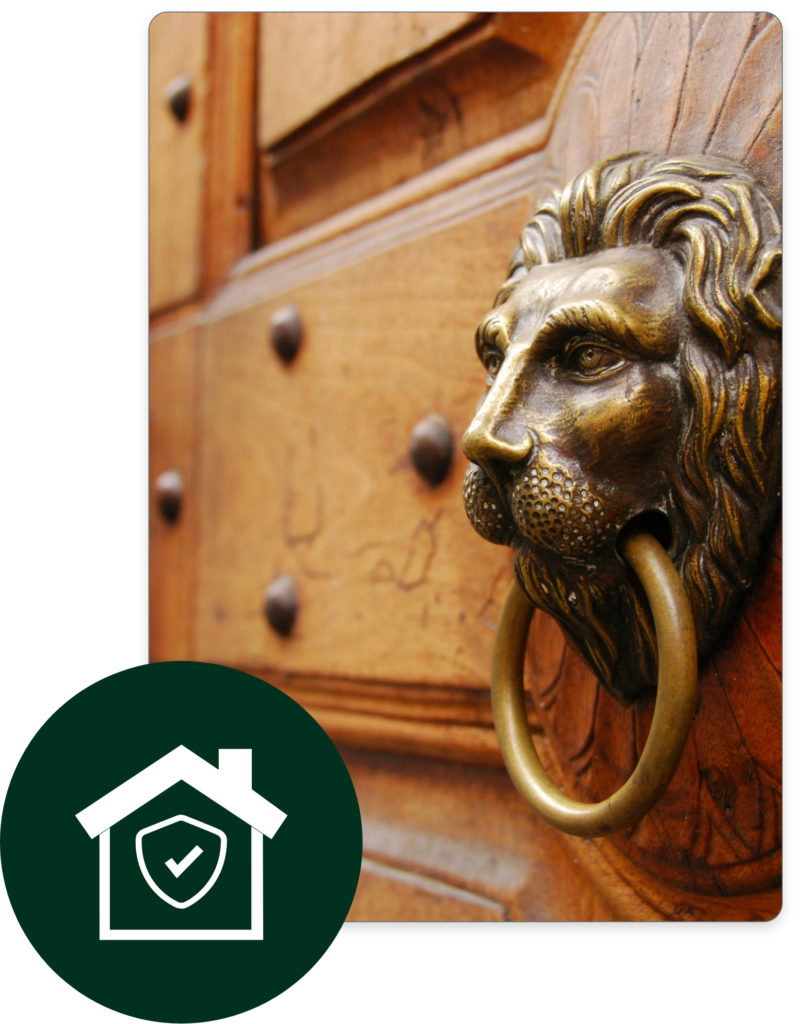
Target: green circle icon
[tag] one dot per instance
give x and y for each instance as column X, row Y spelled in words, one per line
column 181, row 842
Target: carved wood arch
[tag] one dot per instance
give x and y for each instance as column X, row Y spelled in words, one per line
column 677, row 84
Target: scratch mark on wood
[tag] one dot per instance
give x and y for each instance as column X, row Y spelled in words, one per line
column 295, row 539
column 421, row 554
column 414, row 557
column 382, row 573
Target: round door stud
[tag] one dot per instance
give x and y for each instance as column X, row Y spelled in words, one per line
column 286, row 331
column 431, row 448
column 169, row 494
column 178, row 96
column 281, row 604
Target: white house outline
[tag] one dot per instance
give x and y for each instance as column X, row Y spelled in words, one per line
column 229, row 786
column 223, row 839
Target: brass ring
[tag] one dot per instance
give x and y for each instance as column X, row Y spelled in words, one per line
column 676, row 702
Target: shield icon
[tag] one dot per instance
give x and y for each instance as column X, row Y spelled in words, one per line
column 182, row 855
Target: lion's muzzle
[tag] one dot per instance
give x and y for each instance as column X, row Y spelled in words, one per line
column 546, row 504
column 485, row 508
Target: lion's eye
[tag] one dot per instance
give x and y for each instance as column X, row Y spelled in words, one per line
column 493, row 360
column 591, row 360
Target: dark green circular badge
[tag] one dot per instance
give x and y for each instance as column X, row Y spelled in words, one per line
column 181, row 842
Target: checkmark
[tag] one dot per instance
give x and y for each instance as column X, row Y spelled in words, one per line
column 190, row 858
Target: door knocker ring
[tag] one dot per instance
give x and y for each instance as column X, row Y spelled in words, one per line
column 676, row 702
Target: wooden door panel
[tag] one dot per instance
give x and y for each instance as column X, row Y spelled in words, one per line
column 178, row 46
column 229, row 192
column 173, row 351
column 456, row 839
column 305, row 470
column 312, row 476
column 388, row 894
column 307, row 61
column 497, row 76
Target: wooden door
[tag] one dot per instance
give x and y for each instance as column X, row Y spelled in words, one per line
column 391, row 190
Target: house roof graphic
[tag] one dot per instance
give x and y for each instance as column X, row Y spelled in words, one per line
column 229, row 785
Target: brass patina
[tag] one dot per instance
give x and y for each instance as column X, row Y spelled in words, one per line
column 633, row 370
column 676, row 702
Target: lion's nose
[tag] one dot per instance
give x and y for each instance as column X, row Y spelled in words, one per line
column 499, row 437
column 494, row 454
column 482, row 445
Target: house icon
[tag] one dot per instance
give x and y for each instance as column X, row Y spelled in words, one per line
column 230, row 786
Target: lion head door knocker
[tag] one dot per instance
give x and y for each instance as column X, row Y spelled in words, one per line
column 627, row 445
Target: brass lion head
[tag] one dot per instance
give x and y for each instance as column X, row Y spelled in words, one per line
column 633, row 368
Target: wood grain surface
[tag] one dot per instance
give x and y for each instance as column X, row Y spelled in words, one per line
column 454, row 842
column 229, row 210
column 487, row 81
column 173, row 366
column 426, row 720
column 311, row 474
column 467, row 167
column 178, row 46
column 307, row 61
column 389, row 894
column 675, row 84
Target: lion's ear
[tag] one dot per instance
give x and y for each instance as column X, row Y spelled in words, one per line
column 765, row 289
